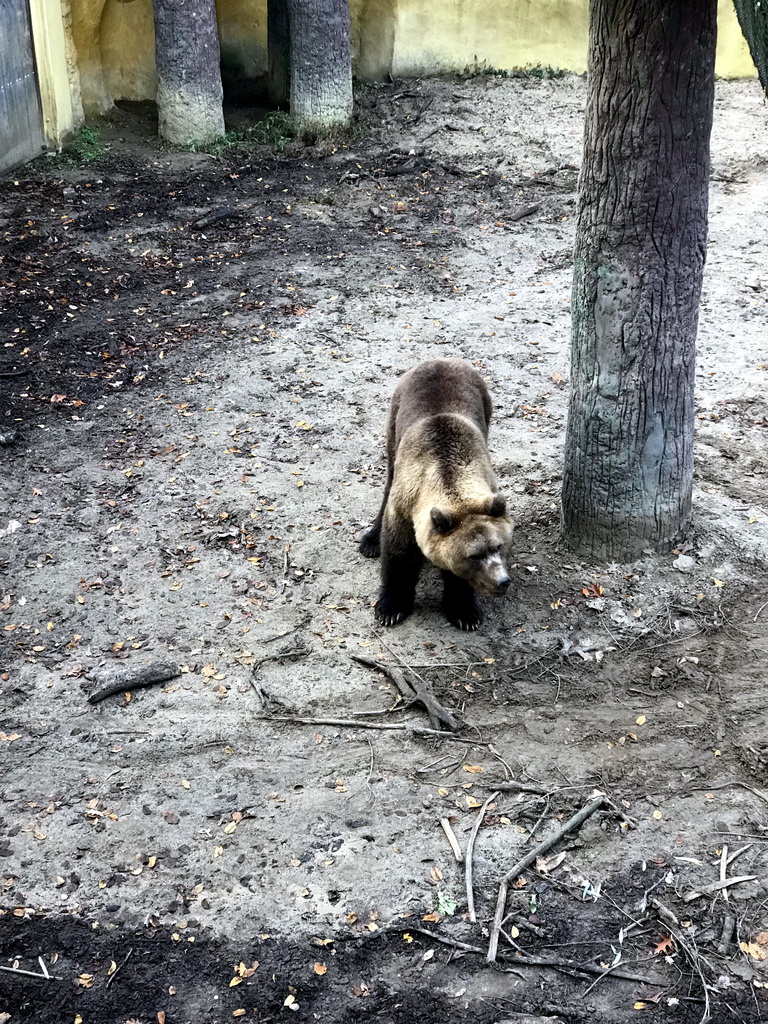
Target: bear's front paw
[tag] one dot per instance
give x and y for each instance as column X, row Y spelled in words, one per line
column 370, row 544
column 464, row 614
column 389, row 611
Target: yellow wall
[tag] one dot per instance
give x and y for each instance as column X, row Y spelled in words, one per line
column 58, row 82
column 115, row 40
column 521, row 33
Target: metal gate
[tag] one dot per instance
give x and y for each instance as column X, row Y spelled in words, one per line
column 21, row 126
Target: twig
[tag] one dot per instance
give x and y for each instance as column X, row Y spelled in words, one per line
column 119, row 678
column 759, row 610
column 513, row 787
column 726, row 785
column 347, row 723
column 446, row 826
column 723, row 865
column 497, row 755
column 415, row 691
column 692, row 955
column 541, row 818
column 470, row 849
column 122, row 965
column 738, row 853
column 525, row 862
column 45, row 977
column 707, row 890
column 524, row 960
column 456, row 943
column 279, row 636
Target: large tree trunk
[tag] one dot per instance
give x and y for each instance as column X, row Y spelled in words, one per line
column 188, row 76
column 640, row 249
column 321, row 64
column 278, row 50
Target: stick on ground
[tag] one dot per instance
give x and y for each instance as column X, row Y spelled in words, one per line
column 348, row 723
column 470, row 849
column 119, row 678
column 446, row 827
column 414, row 691
column 525, row 862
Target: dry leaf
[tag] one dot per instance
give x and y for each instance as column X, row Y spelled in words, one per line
column 474, row 769
column 663, row 945
column 320, row 969
column 161, row 1017
column 755, row 951
column 235, row 981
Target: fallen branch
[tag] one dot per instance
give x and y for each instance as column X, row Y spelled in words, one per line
column 349, row 723
column 525, row 211
column 513, row 787
column 725, row 883
column 470, row 849
column 35, row 974
column 120, row 678
column 525, row 862
column 223, row 213
column 449, row 835
column 535, row 961
column 691, row 953
column 414, row 691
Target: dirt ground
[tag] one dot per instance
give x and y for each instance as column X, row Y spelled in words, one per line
column 191, row 426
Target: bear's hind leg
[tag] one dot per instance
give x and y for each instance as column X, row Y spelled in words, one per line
column 400, row 566
column 460, row 603
column 370, row 543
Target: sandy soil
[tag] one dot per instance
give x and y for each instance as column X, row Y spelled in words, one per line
column 192, row 446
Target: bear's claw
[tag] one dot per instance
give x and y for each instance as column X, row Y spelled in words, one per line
column 390, row 614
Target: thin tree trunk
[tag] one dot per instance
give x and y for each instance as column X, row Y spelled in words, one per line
column 753, row 19
column 278, row 48
column 321, row 63
column 640, row 250
column 189, row 92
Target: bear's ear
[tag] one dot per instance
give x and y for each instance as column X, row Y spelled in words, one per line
column 498, row 506
column 442, row 522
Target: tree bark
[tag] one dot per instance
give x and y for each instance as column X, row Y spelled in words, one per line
column 753, row 19
column 321, row 63
column 640, row 250
column 278, row 50
column 189, row 92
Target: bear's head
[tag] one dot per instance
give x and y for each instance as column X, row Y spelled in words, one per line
column 471, row 543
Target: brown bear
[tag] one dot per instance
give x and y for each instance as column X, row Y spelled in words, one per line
column 441, row 499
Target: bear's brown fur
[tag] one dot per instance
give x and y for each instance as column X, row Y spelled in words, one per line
column 441, row 498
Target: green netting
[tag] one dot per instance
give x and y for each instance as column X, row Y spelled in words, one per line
column 753, row 18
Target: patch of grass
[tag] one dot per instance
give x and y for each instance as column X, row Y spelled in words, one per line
column 537, row 71
column 87, row 146
column 275, row 130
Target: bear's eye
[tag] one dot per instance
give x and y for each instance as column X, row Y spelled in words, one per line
column 479, row 556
